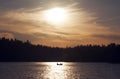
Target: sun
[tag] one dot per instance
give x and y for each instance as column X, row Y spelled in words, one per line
column 56, row 15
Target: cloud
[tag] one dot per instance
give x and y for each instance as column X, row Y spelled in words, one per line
column 20, row 21
column 17, row 35
column 89, row 21
column 65, row 33
column 30, row 4
column 108, row 37
column 112, row 22
column 17, row 4
column 6, row 35
column 102, row 9
column 107, row 11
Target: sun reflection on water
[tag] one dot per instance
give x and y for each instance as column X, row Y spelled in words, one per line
column 56, row 71
column 52, row 70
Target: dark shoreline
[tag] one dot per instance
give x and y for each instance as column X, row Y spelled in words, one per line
column 18, row 51
column 56, row 62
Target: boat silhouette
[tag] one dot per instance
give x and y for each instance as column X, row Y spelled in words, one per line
column 59, row 64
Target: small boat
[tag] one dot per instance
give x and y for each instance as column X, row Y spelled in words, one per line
column 59, row 64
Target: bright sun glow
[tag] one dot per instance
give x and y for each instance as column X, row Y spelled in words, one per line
column 55, row 15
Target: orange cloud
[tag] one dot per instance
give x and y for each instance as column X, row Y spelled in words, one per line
column 7, row 35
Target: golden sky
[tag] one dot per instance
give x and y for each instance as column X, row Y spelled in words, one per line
column 84, row 22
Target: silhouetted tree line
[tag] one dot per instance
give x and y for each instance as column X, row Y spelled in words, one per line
column 16, row 50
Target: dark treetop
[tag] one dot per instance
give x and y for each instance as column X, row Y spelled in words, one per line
column 16, row 50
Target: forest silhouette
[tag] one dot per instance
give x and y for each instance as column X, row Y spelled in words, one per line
column 16, row 50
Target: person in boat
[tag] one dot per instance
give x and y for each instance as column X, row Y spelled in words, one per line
column 59, row 64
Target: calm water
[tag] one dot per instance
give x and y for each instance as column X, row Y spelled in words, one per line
column 50, row 70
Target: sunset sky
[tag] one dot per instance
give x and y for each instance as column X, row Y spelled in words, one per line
column 61, row 23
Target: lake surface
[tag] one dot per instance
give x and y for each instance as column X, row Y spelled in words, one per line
column 50, row 70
